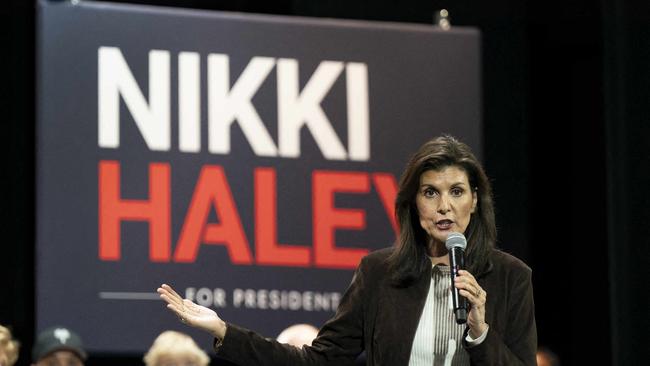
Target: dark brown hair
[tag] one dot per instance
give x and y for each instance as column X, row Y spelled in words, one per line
column 409, row 260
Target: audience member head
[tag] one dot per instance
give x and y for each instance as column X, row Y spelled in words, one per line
column 546, row 357
column 8, row 347
column 177, row 349
column 58, row 346
column 298, row 335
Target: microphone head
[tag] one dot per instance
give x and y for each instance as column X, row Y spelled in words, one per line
column 456, row 240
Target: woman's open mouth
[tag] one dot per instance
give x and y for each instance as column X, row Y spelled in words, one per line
column 444, row 224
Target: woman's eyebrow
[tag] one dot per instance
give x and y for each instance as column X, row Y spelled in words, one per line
column 459, row 183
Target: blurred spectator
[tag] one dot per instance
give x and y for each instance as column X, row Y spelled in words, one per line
column 546, row 357
column 58, row 346
column 175, row 349
column 8, row 348
column 298, row 335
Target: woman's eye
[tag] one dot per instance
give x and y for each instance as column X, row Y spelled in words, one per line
column 429, row 192
column 456, row 192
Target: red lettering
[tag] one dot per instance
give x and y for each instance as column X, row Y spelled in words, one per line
column 113, row 210
column 267, row 250
column 212, row 189
column 327, row 218
column 387, row 190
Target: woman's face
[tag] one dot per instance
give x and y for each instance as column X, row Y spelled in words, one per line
column 445, row 202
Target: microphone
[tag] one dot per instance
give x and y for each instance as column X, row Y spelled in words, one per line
column 456, row 244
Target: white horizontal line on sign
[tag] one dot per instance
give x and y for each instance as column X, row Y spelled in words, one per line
column 129, row 296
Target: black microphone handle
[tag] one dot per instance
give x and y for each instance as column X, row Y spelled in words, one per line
column 457, row 262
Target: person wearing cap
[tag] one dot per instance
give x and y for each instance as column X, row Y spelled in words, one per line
column 58, row 346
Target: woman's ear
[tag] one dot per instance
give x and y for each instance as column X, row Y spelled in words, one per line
column 474, row 200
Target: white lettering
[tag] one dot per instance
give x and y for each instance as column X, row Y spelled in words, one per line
column 207, row 297
column 115, row 80
column 279, row 299
column 227, row 105
column 204, row 297
column 336, row 298
column 189, row 102
column 249, row 298
column 296, row 110
column 237, row 297
column 356, row 76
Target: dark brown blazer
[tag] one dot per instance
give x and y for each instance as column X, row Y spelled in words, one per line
column 381, row 319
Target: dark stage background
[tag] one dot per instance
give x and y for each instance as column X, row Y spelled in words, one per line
column 566, row 95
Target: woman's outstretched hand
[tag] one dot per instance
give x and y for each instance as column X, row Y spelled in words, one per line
column 192, row 314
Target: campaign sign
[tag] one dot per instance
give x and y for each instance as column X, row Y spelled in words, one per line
column 249, row 161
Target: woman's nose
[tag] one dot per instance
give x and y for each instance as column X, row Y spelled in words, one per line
column 443, row 205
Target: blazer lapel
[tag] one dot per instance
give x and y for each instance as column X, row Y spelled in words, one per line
column 399, row 319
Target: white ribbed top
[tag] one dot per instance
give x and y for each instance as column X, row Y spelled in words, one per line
column 438, row 338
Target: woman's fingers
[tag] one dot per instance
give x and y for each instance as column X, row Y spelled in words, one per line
column 169, row 290
column 174, row 302
column 190, row 313
column 171, row 301
column 184, row 313
column 164, row 292
column 474, row 293
column 465, row 273
column 175, row 309
column 475, row 299
column 469, row 288
column 171, row 295
column 179, row 312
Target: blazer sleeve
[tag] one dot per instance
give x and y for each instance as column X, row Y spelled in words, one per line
column 339, row 341
column 519, row 343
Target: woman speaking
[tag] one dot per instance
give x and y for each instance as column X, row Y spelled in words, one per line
column 398, row 308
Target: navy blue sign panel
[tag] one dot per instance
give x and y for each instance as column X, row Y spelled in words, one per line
column 249, row 161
